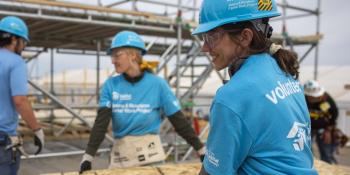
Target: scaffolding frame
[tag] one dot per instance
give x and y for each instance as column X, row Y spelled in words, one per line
column 71, row 28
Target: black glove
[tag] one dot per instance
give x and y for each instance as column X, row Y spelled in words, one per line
column 85, row 166
column 39, row 140
column 201, row 157
column 201, row 153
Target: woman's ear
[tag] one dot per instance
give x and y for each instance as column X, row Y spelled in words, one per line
column 246, row 37
column 132, row 56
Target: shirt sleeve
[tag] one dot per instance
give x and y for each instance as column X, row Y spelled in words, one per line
column 229, row 141
column 333, row 109
column 99, row 130
column 19, row 79
column 106, row 95
column 168, row 101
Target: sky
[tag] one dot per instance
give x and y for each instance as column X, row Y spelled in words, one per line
column 332, row 48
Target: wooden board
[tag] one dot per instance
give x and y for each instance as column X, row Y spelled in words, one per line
column 88, row 7
column 180, row 169
column 193, row 169
column 327, row 169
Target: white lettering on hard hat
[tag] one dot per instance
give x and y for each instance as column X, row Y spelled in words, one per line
column 232, row 4
column 282, row 91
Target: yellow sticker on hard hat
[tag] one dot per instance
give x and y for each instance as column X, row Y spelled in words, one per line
column 265, row 5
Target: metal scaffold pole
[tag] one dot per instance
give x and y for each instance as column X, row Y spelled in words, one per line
column 317, row 44
column 98, row 47
column 179, row 41
column 52, row 71
column 52, row 88
column 284, row 27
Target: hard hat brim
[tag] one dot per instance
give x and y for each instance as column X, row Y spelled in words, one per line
column 202, row 28
column 205, row 27
column 316, row 94
column 11, row 32
column 109, row 50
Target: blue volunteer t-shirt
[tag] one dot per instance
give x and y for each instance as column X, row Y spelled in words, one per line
column 13, row 82
column 259, row 123
column 136, row 107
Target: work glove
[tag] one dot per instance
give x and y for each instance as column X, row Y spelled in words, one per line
column 201, row 153
column 202, row 157
column 85, row 164
column 39, row 140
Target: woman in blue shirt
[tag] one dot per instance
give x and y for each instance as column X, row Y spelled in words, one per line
column 259, row 119
column 134, row 100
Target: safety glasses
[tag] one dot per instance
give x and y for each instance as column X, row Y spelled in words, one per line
column 116, row 55
column 25, row 42
column 212, row 38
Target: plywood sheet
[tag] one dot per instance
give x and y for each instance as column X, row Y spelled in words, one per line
column 193, row 169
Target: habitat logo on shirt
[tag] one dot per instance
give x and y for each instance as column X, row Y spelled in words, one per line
column 118, row 96
column 300, row 133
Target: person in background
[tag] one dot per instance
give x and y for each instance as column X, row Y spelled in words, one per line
column 259, row 122
column 133, row 101
column 324, row 113
column 13, row 94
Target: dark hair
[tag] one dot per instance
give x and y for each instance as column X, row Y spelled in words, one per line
column 287, row 60
column 5, row 38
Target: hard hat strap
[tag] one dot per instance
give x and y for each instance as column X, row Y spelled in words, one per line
column 263, row 26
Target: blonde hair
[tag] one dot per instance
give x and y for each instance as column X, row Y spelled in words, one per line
column 144, row 65
column 134, row 51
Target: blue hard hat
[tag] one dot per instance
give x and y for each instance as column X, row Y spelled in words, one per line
column 127, row 39
column 215, row 13
column 15, row 26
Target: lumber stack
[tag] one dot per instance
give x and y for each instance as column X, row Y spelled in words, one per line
column 193, row 169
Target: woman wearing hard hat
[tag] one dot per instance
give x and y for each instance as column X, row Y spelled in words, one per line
column 133, row 100
column 259, row 119
column 323, row 113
